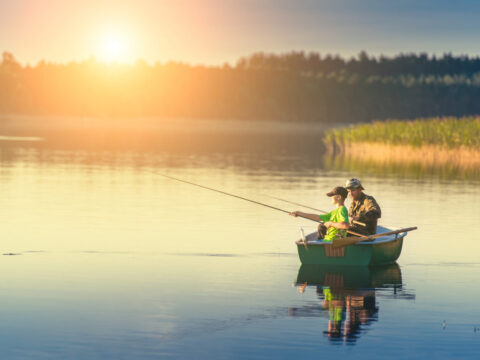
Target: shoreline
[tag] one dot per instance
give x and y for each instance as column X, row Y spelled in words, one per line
column 16, row 123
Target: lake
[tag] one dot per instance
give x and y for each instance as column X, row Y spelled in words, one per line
column 104, row 258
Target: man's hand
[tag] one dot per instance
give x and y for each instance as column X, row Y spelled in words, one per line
column 354, row 218
column 294, row 213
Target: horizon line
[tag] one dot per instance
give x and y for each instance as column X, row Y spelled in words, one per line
column 232, row 63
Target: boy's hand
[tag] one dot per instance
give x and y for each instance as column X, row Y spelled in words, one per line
column 328, row 224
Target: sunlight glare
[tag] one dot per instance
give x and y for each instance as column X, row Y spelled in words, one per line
column 114, row 47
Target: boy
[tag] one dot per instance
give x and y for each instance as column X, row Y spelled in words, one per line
column 336, row 221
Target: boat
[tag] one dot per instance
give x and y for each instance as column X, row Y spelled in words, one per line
column 376, row 250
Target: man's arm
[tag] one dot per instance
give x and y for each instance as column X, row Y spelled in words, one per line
column 370, row 215
column 338, row 225
column 372, row 211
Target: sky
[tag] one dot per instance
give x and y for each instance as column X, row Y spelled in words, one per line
column 213, row 32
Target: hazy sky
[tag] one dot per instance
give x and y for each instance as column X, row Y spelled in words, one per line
column 217, row 31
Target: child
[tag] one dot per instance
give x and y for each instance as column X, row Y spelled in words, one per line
column 336, row 221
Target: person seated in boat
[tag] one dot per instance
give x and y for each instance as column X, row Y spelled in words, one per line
column 364, row 210
column 335, row 223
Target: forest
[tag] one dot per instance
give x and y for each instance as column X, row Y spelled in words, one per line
column 295, row 86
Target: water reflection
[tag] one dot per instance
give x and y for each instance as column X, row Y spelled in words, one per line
column 270, row 148
column 265, row 155
column 225, row 292
column 407, row 169
column 347, row 296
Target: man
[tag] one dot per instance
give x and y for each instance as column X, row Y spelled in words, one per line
column 364, row 209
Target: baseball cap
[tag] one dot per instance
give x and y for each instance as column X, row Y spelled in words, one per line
column 353, row 184
column 339, row 190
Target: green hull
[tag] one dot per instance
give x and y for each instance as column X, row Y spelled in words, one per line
column 361, row 254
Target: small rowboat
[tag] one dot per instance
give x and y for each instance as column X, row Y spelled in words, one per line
column 378, row 251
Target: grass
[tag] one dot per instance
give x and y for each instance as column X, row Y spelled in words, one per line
column 447, row 132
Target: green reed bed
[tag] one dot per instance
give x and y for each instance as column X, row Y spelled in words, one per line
column 449, row 132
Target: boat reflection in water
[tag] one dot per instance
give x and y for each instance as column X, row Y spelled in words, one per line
column 348, row 296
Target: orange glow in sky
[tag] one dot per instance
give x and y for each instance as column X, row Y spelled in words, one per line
column 218, row 31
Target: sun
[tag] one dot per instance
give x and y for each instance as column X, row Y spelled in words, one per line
column 114, row 47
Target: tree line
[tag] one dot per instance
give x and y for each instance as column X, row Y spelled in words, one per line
column 288, row 87
column 402, row 64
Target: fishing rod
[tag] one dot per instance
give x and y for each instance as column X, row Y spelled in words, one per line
column 311, row 208
column 226, row 193
column 294, row 203
column 240, row 197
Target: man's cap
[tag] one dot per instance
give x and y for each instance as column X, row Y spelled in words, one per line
column 353, row 184
column 339, row 190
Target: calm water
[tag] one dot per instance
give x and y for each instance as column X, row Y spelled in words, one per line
column 105, row 259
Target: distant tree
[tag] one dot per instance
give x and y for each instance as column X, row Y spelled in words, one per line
column 295, row 86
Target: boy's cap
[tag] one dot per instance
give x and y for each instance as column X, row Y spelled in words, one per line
column 339, row 190
column 353, row 184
